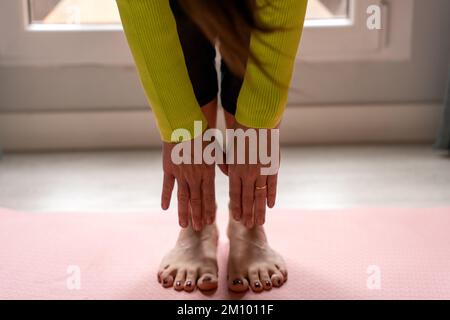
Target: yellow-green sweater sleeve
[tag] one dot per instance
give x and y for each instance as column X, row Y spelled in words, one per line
column 262, row 99
column 152, row 35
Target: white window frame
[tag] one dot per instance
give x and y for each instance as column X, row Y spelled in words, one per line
column 349, row 39
column 323, row 40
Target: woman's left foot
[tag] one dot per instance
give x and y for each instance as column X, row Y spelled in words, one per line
column 251, row 262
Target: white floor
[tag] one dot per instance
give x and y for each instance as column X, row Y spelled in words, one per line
column 310, row 177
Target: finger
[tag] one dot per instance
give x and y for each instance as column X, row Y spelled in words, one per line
column 260, row 200
column 183, row 203
column 168, row 183
column 208, row 200
column 196, row 204
column 223, row 168
column 248, row 194
column 271, row 190
column 235, row 193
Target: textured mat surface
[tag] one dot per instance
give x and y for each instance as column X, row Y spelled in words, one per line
column 332, row 254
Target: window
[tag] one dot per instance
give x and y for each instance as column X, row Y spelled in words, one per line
column 328, row 9
column 89, row 32
column 59, row 12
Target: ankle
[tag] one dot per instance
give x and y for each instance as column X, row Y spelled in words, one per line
column 237, row 230
column 208, row 231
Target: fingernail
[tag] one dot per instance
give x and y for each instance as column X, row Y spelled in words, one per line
column 238, row 281
column 257, row 285
column 188, row 283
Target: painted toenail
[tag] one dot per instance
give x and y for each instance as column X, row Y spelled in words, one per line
column 188, row 283
column 238, row 281
column 257, row 285
column 178, row 283
column 268, row 283
column 207, row 279
column 165, row 281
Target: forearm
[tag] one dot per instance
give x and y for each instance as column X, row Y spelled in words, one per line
column 151, row 32
column 264, row 93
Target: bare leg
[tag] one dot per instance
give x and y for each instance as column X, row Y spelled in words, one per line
column 193, row 261
column 252, row 262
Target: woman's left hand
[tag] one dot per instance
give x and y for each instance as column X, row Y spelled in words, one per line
column 250, row 190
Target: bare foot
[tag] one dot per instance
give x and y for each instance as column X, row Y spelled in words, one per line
column 192, row 262
column 251, row 261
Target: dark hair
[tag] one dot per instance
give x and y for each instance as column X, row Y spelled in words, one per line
column 232, row 22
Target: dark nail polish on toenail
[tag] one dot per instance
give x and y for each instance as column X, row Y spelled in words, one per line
column 268, row 283
column 207, row 279
column 188, row 283
column 257, row 285
column 238, row 281
column 164, row 281
column 178, row 283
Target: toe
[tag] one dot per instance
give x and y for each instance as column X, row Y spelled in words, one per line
column 282, row 268
column 167, row 281
column 167, row 277
column 180, row 279
column 255, row 282
column 265, row 279
column 237, row 284
column 159, row 276
column 191, row 280
column 207, row 281
column 277, row 279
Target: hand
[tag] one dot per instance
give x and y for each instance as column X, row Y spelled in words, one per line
column 250, row 191
column 196, row 189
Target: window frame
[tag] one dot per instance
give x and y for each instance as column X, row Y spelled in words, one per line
column 332, row 40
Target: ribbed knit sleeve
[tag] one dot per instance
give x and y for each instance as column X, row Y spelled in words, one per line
column 152, row 35
column 262, row 100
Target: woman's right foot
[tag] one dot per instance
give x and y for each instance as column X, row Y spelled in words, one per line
column 192, row 262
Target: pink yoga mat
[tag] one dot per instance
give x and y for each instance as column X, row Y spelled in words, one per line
column 331, row 254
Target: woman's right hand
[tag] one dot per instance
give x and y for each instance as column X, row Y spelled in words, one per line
column 196, row 189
